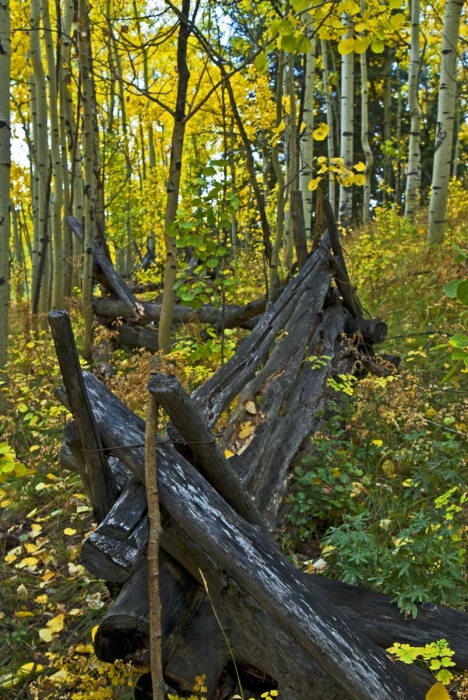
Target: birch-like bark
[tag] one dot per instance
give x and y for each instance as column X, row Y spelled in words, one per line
column 41, row 155
column 173, row 184
column 274, row 281
column 292, row 164
column 413, row 175
column 57, row 196
column 89, row 141
column 399, row 131
column 445, row 121
column 387, row 122
column 345, row 212
column 307, row 140
column 4, row 188
column 330, row 119
column 365, row 133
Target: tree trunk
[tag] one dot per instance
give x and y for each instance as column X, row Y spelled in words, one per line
column 347, row 124
column 307, row 141
column 413, row 175
column 330, row 119
column 365, row 133
column 445, row 121
column 173, row 184
column 4, row 188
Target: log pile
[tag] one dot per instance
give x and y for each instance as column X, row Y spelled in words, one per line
column 307, row 635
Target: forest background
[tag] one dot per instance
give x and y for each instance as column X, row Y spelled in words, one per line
column 190, row 140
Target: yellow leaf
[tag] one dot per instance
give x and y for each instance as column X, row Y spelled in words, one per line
column 346, row 46
column 377, row 46
column 251, row 408
column 56, row 624
column 93, row 632
column 361, row 44
column 41, row 599
column 34, row 448
column 437, row 692
column 313, row 184
column 360, row 167
column 228, row 453
column 30, row 562
column 397, row 21
column 377, row 443
column 30, row 548
column 51, row 476
column 23, row 613
column 321, row 132
column 48, row 575
column 69, row 531
column 9, row 680
column 10, row 558
column 36, row 528
column 359, row 180
column 246, row 432
column 46, row 635
column 75, row 611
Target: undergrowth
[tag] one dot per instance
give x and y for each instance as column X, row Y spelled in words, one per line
column 391, row 511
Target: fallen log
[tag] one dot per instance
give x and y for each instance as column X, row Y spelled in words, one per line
column 105, row 272
column 230, row 316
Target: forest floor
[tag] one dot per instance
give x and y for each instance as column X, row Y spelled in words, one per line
column 389, row 514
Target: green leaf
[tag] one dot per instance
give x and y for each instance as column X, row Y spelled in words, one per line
column 450, row 288
column 212, row 263
column 300, row 5
column 304, row 45
column 221, row 251
column 289, row 43
column 285, row 28
column 261, row 63
column 459, row 340
column 462, row 292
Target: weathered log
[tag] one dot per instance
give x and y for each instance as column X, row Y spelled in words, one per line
column 226, row 384
column 136, row 336
column 99, row 482
column 338, row 264
column 209, row 457
column 229, row 317
column 373, row 332
column 68, row 459
column 124, row 632
column 105, row 269
column 254, row 562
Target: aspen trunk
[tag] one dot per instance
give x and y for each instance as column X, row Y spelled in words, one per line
column 4, row 187
column 307, row 140
column 57, row 198
column 173, row 185
column 41, row 154
column 90, row 137
column 347, row 124
column 445, row 121
column 387, row 117
column 365, row 133
column 330, row 119
column 413, row 175
column 279, row 231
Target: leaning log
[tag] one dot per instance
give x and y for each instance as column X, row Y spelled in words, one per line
column 104, row 271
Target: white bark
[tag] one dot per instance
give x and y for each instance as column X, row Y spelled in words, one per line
column 413, row 175
column 41, row 154
column 4, row 185
column 330, row 119
column 307, row 141
column 365, row 133
column 445, row 121
column 345, row 213
column 56, row 209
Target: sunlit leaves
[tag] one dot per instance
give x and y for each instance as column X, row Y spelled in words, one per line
column 346, row 46
column 437, row 656
column 437, row 692
column 321, row 132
